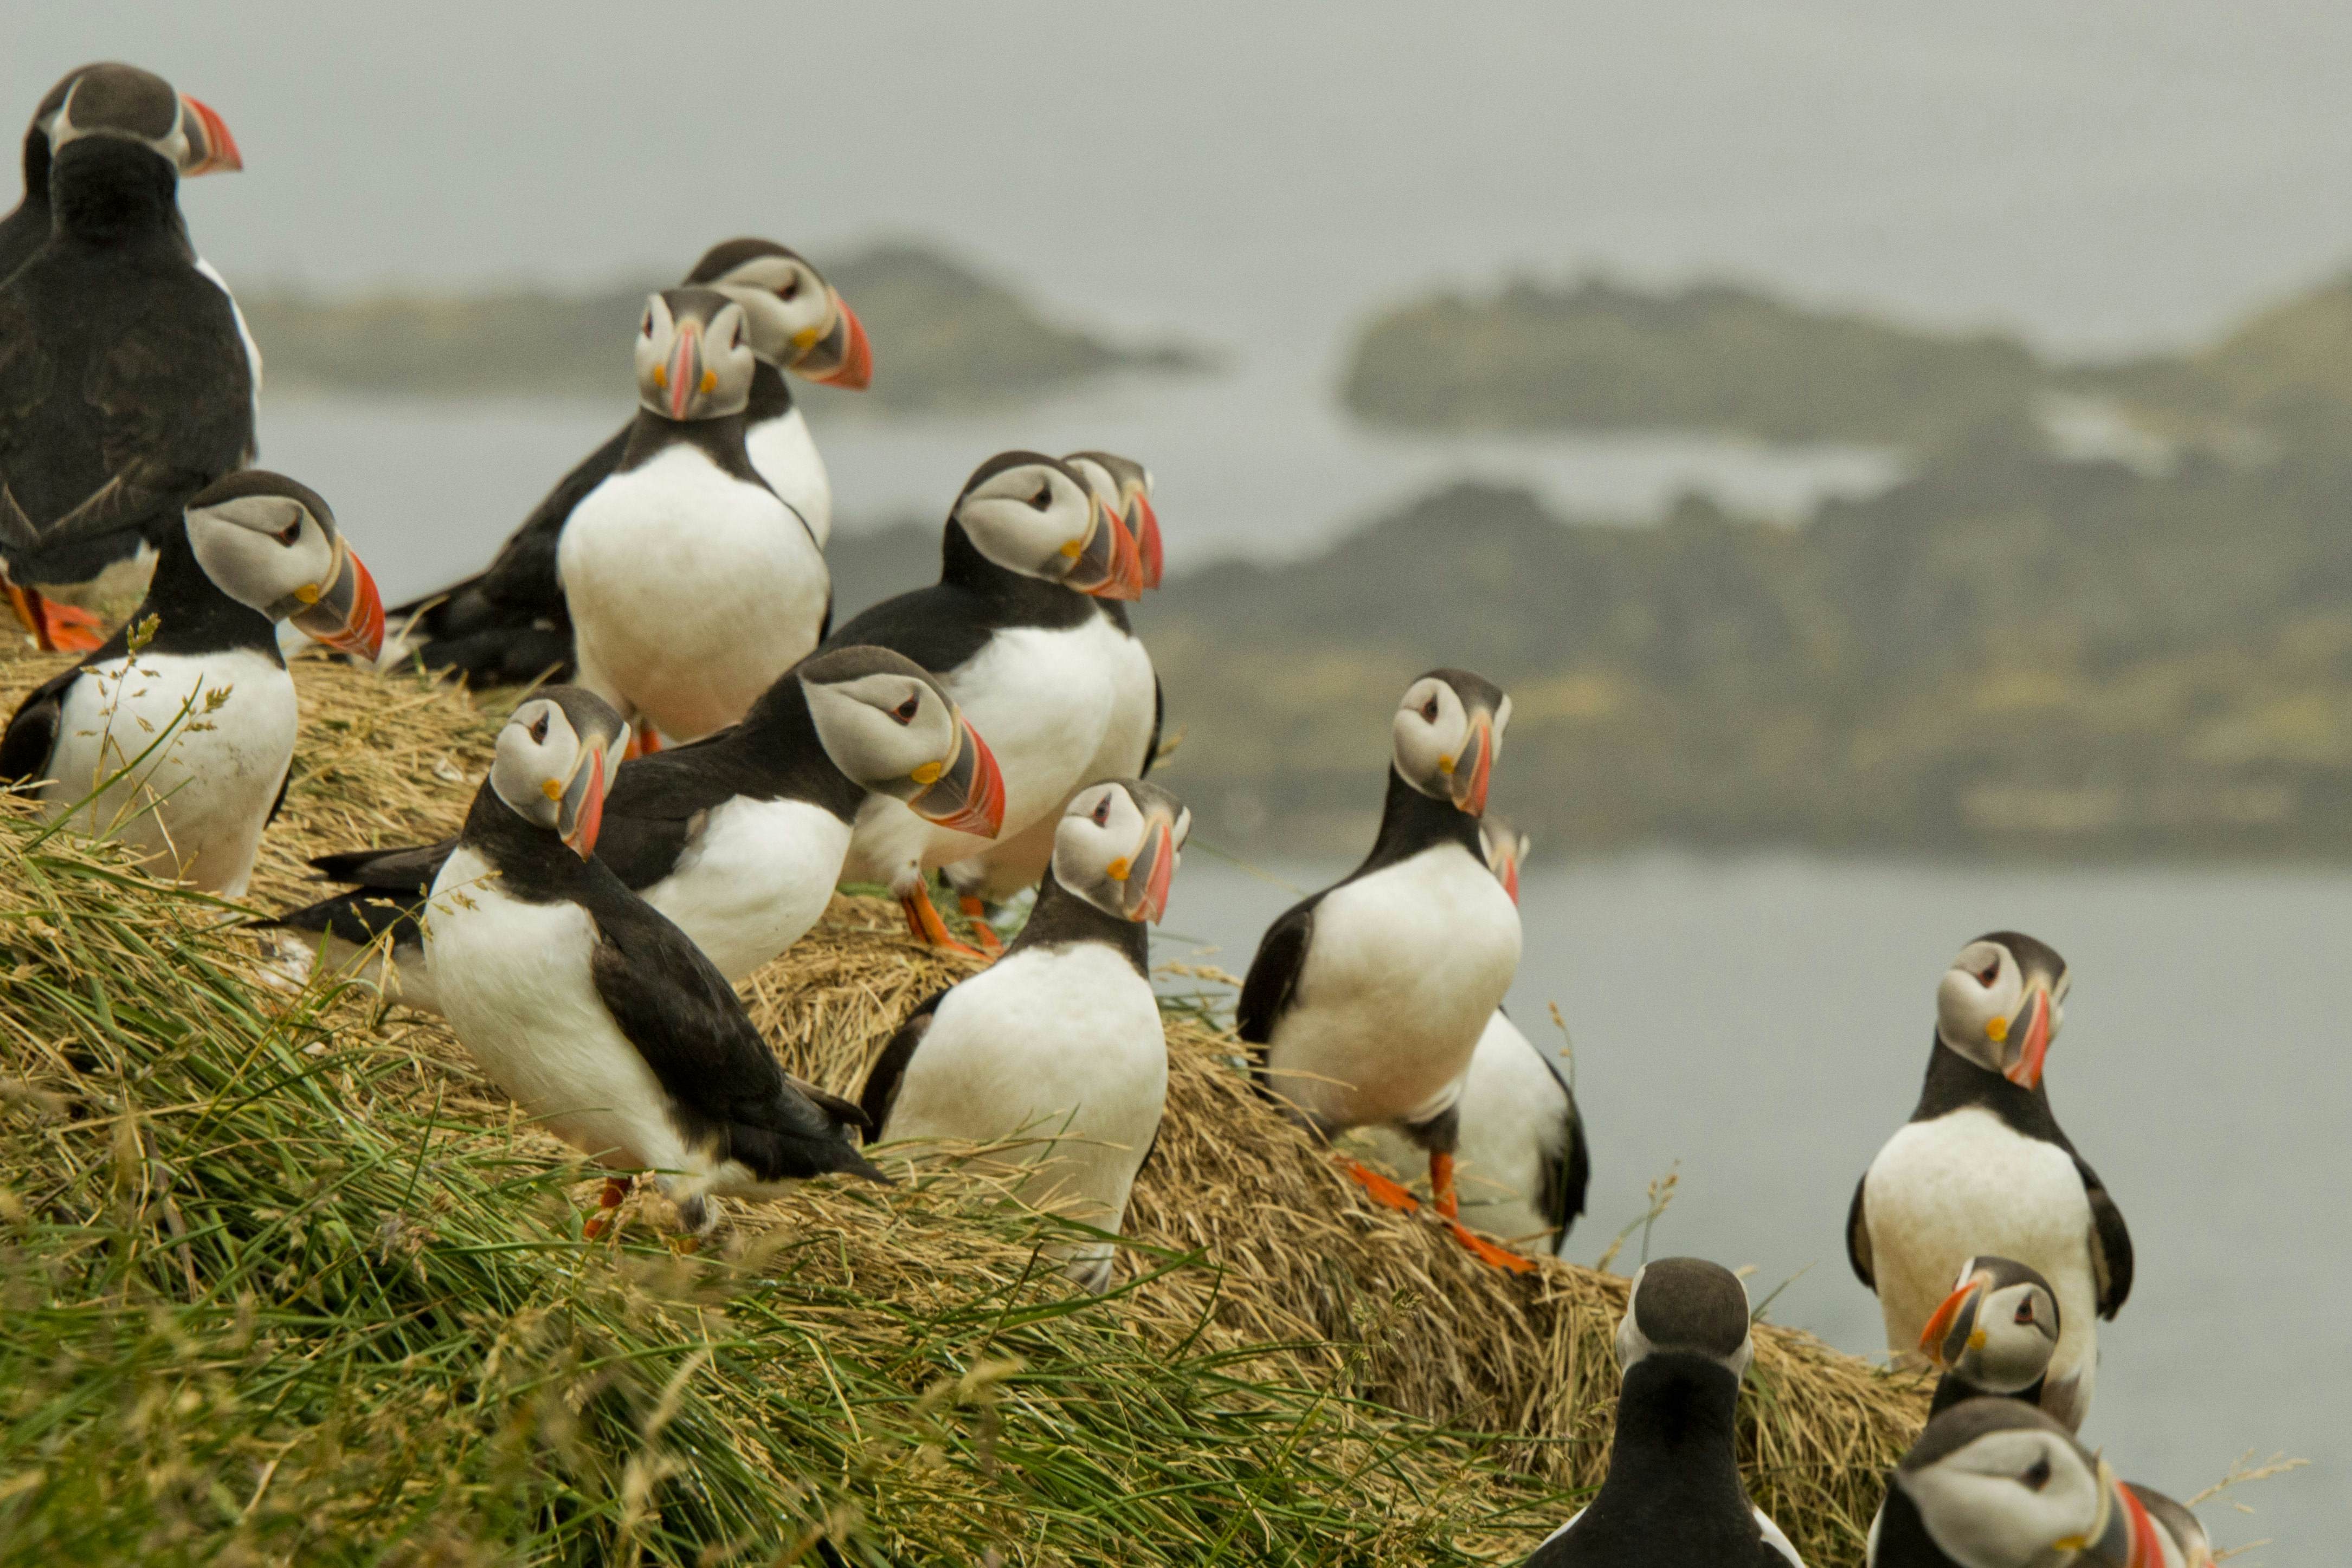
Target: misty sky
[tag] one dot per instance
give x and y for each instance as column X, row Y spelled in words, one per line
column 2105, row 174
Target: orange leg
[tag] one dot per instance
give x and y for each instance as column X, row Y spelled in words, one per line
column 616, row 1189
column 643, row 742
column 976, row 911
column 59, row 628
column 925, row 923
column 1449, row 1209
column 1379, row 1189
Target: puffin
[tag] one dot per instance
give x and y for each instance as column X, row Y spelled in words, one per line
column 126, row 376
column 1673, row 1497
column 1998, row 1483
column 1983, row 1167
column 1523, row 1161
column 690, row 584
column 738, row 839
column 177, row 736
column 1993, row 1336
column 1131, row 740
column 1366, row 1001
column 508, row 624
column 1055, row 1052
column 1015, row 629
column 601, row 1019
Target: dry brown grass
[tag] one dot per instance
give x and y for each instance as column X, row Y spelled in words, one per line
column 1302, row 1272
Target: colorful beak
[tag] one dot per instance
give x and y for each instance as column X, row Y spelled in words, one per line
column 968, row 796
column 842, row 357
column 1509, row 874
column 349, row 616
column 1107, row 566
column 1152, row 869
column 1953, row 1325
column 580, row 815
column 2034, row 1049
column 1144, row 523
column 2128, row 1538
column 1475, row 767
column 683, row 373
column 211, row 149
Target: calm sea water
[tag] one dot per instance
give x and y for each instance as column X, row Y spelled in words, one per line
column 1757, row 1027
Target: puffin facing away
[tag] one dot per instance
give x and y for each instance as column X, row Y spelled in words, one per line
column 1523, row 1163
column 181, row 746
column 509, row 624
column 606, row 1025
column 1057, row 1049
column 1994, row 1334
column 1018, row 630
column 126, row 378
column 737, row 838
column 1982, row 1167
column 1366, row 1003
column 691, row 586
column 1673, row 1497
column 1997, row 1483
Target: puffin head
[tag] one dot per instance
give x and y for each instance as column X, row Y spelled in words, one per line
column 1448, row 732
column 888, row 725
column 554, row 758
column 120, row 100
column 2000, row 1003
column 1126, row 484
column 1999, row 1484
column 1998, row 1329
column 1685, row 1306
column 1037, row 516
column 694, row 355
column 1118, row 846
column 1506, row 849
column 798, row 320
column 271, row 543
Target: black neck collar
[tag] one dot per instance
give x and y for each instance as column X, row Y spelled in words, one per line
column 111, row 191
column 1955, row 1083
column 1013, row 598
column 779, row 736
column 1061, row 917
column 1411, row 822
column 720, row 439
column 192, row 616
column 772, row 395
column 1673, row 1493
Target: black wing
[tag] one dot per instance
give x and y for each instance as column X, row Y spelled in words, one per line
column 1272, row 984
column 2111, row 1245
column 1567, row 1171
column 1857, row 1238
column 938, row 627
column 285, row 782
column 387, row 889
column 683, row 1017
column 32, row 737
column 657, row 805
column 889, row 1069
column 1159, row 715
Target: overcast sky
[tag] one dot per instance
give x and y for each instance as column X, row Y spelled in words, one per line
column 2105, row 173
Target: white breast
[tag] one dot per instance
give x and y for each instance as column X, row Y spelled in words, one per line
column 1943, row 1191
column 1060, row 1045
column 1404, row 969
column 754, row 879
column 786, row 456
column 1042, row 700
column 690, row 591
column 202, row 775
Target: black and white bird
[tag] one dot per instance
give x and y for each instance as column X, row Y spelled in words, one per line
column 508, row 624
column 605, row 1024
column 127, row 379
column 1997, row 1483
column 690, row 584
column 1983, row 1167
column 1522, row 1163
column 1673, row 1497
column 181, row 746
column 1018, row 630
column 1993, row 1336
column 1366, row 1003
column 1055, row 1052
column 738, row 839
column 1130, row 738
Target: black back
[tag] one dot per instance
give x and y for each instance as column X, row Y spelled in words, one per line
column 1560, row 1193
column 1902, row 1538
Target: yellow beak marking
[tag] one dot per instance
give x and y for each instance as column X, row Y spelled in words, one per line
column 807, row 338
column 552, row 788
column 929, row 773
column 308, row 594
column 1977, row 1339
column 709, row 382
column 1117, row 871
column 1445, row 766
column 1996, row 1030
column 1072, row 548
column 661, row 377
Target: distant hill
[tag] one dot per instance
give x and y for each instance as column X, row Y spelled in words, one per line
column 2007, row 654
column 945, row 335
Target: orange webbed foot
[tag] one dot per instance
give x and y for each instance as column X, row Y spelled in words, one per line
column 976, row 911
column 924, row 920
column 1488, row 1252
column 1379, row 1189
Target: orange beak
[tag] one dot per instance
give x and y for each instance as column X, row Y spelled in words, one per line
column 846, row 357
column 968, row 796
column 1153, row 870
column 685, row 369
column 1109, row 566
column 581, row 815
column 2026, row 1070
column 1476, row 766
column 347, row 617
column 1145, row 524
column 1510, row 875
column 1951, row 1323
column 219, row 154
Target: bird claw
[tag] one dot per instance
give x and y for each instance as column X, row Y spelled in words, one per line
column 924, row 920
column 1379, row 1189
column 1488, row 1252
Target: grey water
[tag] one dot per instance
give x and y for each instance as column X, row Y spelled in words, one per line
column 1757, row 1027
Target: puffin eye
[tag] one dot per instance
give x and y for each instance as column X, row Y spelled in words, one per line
column 647, row 326
column 1429, row 711
column 2025, row 1311
column 1991, row 973
column 290, row 532
column 538, row 730
column 905, row 712
column 1044, row 497
column 2037, row 1475
column 1102, row 811
column 791, row 290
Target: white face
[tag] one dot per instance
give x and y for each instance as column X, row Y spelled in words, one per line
column 789, row 307
column 688, row 370
column 1037, row 521
column 1437, row 740
column 893, row 732
column 552, row 775
column 1979, row 1002
column 2018, row 1329
column 1118, row 854
column 268, row 552
column 2023, row 1497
